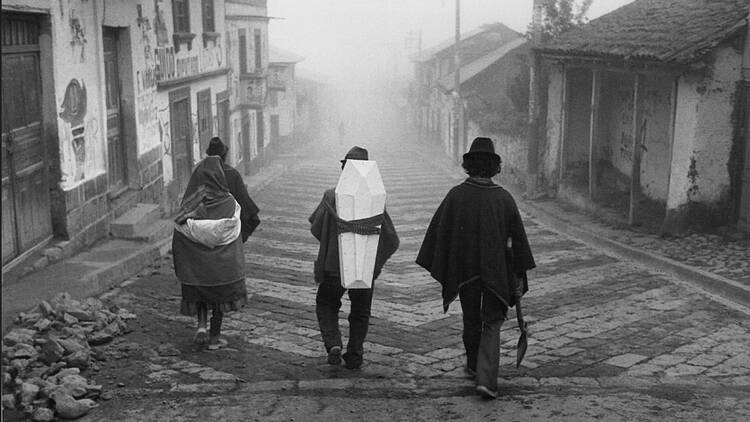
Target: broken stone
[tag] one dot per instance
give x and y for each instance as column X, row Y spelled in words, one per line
column 80, row 314
column 23, row 351
column 19, row 365
column 9, row 401
column 69, row 319
column 19, row 335
column 28, row 392
column 30, row 318
column 71, row 346
column 46, row 309
column 79, row 359
column 94, row 304
column 43, row 414
column 54, row 369
column 107, row 395
column 74, row 385
column 68, row 371
column 70, row 408
column 7, row 379
column 52, row 352
column 43, row 324
column 100, row 337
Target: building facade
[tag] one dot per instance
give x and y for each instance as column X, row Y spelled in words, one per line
column 641, row 114
column 107, row 104
column 282, row 95
column 247, row 52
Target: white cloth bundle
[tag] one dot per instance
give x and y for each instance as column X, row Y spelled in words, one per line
column 213, row 233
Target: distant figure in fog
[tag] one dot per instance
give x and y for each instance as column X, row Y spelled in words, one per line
column 216, row 217
column 465, row 250
column 324, row 227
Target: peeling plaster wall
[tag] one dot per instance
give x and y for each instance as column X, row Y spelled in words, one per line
column 703, row 132
column 576, row 143
column 511, row 149
column 79, row 93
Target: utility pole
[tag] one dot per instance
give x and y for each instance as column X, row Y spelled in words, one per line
column 532, row 164
column 457, row 85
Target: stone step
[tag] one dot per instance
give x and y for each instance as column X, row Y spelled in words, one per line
column 154, row 232
column 138, row 217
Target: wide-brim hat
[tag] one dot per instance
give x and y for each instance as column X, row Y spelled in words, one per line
column 216, row 147
column 482, row 146
column 356, row 153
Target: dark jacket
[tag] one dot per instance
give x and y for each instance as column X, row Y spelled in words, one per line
column 249, row 214
column 323, row 226
column 467, row 240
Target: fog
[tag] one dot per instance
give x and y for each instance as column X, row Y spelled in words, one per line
column 362, row 47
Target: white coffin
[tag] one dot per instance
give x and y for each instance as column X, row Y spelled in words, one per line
column 359, row 194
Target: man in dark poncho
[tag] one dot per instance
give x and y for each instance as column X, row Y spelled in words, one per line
column 465, row 250
column 213, row 277
column 325, row 227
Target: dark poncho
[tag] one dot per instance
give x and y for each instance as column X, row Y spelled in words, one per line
column 467, row 238
column 209, row 195
column 324, row 227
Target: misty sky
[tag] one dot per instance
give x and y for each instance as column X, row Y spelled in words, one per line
column 351, row 39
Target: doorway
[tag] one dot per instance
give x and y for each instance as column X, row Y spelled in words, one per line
column 182, row 140
column 26, row 217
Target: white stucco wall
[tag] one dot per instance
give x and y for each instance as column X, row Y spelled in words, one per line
column 703, row 131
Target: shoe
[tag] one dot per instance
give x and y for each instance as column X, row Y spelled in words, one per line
column 216, row 343
column 201, row 336
column 352, row 363
column 334, row 355
column 470, row 373
column 486, row 392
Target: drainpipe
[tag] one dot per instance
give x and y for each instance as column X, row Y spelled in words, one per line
column 532, row 164
column 457, row 85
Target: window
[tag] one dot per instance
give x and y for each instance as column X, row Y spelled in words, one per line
column 273, row 98
column 258, row 63
column 243, row 52
column 181, row 13
column 208, row 15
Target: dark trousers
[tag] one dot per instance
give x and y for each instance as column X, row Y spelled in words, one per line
column 483, row 315
column 327, row 306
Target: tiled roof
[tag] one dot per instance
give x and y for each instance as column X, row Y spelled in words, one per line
column 474, row 68
column 671, row 31
column 474, row 44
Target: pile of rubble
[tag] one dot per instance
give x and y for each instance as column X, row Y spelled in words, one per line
column 43, row 359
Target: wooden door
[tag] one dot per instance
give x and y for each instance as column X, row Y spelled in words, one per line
column 26, row 218
column 205, row 120
column 245, row 147
column 115, row 148
column 744, row 217
column 182, row 140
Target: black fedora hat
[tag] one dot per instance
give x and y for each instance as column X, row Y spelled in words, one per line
column 356, row 153
column 216, row 147
column 482, row 145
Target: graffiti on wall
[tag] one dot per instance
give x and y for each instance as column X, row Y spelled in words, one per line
column 77, row 36
column 73, row 112
column 145, row 26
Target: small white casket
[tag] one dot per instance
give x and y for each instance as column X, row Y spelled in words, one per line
column 359, row 194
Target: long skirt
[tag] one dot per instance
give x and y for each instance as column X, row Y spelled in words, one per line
column 227, row 297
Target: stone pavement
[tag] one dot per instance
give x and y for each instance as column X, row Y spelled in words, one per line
column 610, row 338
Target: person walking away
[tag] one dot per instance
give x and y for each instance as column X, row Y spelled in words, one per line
column 465, row 250
column 216, row 217
column 324, row 226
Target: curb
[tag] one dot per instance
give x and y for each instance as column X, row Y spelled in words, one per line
column 727, row 289
column 713, row 283
column 435, row 387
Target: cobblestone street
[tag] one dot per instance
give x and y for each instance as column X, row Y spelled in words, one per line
column 609, row 340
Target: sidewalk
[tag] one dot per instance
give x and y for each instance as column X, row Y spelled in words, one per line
column 101, row 267
column 717, row 264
